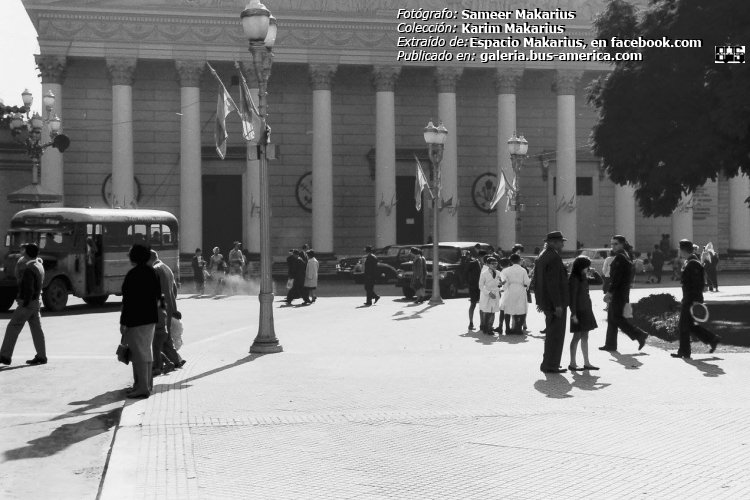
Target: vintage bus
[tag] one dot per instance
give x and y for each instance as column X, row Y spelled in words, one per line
column 84, row 250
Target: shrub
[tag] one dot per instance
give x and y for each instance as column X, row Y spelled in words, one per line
column 658, row 315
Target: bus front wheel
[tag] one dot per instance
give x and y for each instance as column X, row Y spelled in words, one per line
column 97, row 300
column 55, row 296
column 6, row 299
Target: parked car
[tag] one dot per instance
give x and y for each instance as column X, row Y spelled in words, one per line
column 452, row 263
column 346, row 264
column 390, row 259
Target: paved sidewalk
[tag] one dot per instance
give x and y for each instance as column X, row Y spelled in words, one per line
column 400, row 401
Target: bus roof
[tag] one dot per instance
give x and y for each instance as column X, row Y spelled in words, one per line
column 94, row 215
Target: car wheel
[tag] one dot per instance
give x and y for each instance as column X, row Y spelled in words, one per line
column 7, row 296
column 97, row 300
column 408, row 292
column 55, row 296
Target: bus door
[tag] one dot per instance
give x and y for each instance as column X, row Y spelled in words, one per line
column 93, row 259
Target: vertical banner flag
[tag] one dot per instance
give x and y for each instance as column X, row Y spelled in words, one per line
column 224, row 107
column 251, row 123
column 419, row 185
column 502, row 189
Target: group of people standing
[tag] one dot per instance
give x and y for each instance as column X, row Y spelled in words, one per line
column 709, row 260
column 302, row 275
column 219, row 269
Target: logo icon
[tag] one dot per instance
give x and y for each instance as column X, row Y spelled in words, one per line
column 733, row 54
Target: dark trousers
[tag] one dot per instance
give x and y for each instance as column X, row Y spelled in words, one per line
column 657, row 272
column 554, row 339
column 615, row 321
column 163, row 344
column 712, row 279
column 688, row 326
column 370, row 291
column 297, row 292
column 21, row 316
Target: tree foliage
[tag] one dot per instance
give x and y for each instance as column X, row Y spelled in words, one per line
column 674, row 119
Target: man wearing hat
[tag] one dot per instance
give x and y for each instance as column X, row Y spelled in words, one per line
column 692, row 292
column 29, row 292
column 371, row 275
column 551, row 292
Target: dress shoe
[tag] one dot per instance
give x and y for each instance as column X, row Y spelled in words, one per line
column 4, row 360
column 575, row 368
column 367, row 304
column 36, row 361
column 642, row 341
column 181, row 363
column 555, row 370
column 377, row 299
column 590, row 367
column 499, row 330
column 471, row 326
column 680, row 355
column 138, row 395
column 607, row 348
column 714, row 344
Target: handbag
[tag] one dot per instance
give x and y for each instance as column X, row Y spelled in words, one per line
column 289, row 283
column 627, row 310
column 175, row 330
column 123, row 353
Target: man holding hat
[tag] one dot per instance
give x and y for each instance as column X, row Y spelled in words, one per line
column 31, row 273
column 551, row 292
column 692, row 292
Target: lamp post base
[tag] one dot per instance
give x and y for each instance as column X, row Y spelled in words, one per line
column 266, row 342
column 436, row 301
column 266, row 347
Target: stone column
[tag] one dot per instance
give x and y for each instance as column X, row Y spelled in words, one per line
column 446, row 78
column 191, row 176
column 251, row 219
column 682, row 221
column 321, row 76
column 625, row 212
column 739, row 214
column 384, row 79
column 121, row 72
column 506, row 83
column 565, row 202
column 52, row 69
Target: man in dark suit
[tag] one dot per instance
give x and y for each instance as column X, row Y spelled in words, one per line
column 621, row 273
column 657, row 261
column 692, row 292
column 473, row 271
column 551, row 293
column 371, row 274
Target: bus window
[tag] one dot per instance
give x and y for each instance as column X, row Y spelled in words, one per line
column 116, row 235
column 166, row 235
column 7, row 240
column 155, row 232
column 51, row 241
column 137, row 234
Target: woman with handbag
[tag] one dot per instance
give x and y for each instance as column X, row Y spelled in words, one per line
column 141, row 294
column 582, row 319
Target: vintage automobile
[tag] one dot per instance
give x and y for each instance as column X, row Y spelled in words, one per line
column 390, row 259
column 452, row 263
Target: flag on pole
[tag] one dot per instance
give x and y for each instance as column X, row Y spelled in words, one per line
column 224, row 107
column 503, row 188
column 251, row 123
column 419, row 185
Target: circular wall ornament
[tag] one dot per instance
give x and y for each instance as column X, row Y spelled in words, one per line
column 107, row 190
column 483, row 190
column 303, row 192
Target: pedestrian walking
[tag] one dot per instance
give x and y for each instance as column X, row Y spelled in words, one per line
column 551, row 295
column 582, row 319
column 218, row 268
column 516, row 283
column 141, row 298
column 29, row 273
column 489, row 295
column 371, row 275
column 618, row 295
column 473, row 271
column 657, row 262
column 418, row 281
column 710, row 261
column 665, row 246
column 606, row 271
column 165, row 355
column 236, row 266
column 692, row 293
column 311, row 275
column 298, row 270
column 199, row 267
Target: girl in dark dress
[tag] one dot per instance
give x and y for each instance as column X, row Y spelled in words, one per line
column 582, row 318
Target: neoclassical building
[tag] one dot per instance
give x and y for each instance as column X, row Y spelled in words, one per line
column 347, row 120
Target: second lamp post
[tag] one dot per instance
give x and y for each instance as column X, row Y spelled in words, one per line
column 435, row 138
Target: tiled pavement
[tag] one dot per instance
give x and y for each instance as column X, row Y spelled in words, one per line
column 399, row 401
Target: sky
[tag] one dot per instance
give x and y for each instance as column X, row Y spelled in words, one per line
column 19, row 43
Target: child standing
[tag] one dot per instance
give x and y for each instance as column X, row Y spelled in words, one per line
column 582, row 318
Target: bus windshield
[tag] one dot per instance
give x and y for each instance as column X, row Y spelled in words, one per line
column 48, row 241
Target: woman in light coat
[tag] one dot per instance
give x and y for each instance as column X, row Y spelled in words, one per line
column 489, row 295
column 311, row 275
column 516, row 281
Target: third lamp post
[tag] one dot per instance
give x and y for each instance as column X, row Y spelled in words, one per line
column 435, row 138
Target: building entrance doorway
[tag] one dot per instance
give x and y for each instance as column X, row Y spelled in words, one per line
column 222, row 212
column 409, row 222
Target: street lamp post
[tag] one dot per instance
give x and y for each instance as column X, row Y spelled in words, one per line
column 517, row 146
column 29, row 133
column 260, row 29
column 435, row 138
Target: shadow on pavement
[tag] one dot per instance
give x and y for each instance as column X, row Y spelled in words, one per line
column 66, row 435
column 587, row 382
column 708, row 369
column 555, row 386
column 4, row 368
column 182, row 384
column 513, row 339
column 629, row 361
column 479, row 337
column 416, row 314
